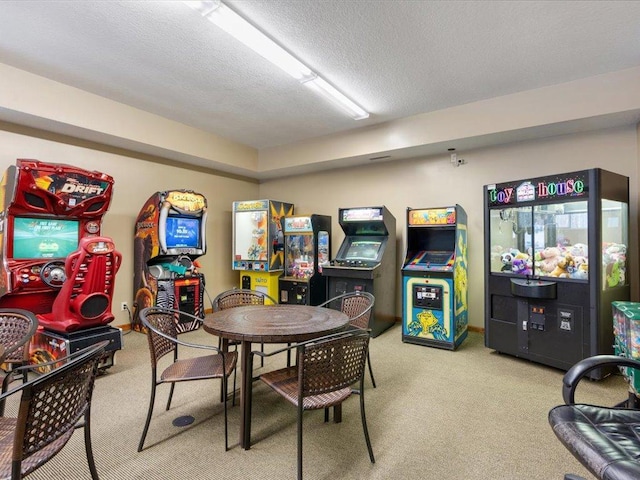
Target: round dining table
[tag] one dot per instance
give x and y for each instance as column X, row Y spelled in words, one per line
column 281, row 323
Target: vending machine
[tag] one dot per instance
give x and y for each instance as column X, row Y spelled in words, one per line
column 170, row 234
column 307, row 249
column 555, row 260
column 434, row 278
column 366, row 261
column 258, row 243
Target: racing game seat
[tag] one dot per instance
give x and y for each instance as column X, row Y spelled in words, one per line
column 84, row 300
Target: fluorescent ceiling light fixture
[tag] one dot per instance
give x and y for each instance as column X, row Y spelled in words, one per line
column 320, row 86
column 232, row 23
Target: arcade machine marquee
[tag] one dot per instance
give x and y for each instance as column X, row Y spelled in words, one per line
column 54, row 261
column 366, row 261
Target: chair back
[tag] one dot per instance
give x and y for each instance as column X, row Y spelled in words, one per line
column 52, row 404
column 161, row 330
column 356, row 305
column 332, row 363
column 84, row 300
column 16, row 329
column 238, row 297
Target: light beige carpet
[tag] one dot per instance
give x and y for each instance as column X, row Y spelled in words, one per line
column 436, row 414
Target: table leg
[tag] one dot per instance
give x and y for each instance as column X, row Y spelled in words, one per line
column 246, row 367
column 224, row 346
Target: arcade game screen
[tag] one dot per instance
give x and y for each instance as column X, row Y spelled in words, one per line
column 44, row 237
column 183, row 232
column 363, row 250
column 436, row 258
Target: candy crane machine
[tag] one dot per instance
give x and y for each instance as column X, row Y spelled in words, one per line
column 307, row 249
column 366, row 261
column 434, row 278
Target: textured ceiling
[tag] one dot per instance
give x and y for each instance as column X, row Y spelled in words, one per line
column 394, row 58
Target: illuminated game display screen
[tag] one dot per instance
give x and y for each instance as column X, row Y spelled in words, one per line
column 438, row 258
column 183, row 232
column 44, row 237
column 363, row 250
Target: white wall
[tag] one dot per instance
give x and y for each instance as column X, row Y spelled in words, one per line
column 433, row 182
column 135, row 181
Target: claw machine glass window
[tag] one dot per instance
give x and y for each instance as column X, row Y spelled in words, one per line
column 561, row 240
column 615, row 239
column 511, row 240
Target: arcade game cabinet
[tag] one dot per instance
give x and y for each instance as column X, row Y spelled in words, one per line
column 54, row 261
column 434, row 278
column 366, row 261
column 555, row 261
column 307, row 241
column 170, row 234
column 258, row 243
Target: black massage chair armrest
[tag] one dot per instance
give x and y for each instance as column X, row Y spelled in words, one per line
column 583, row 367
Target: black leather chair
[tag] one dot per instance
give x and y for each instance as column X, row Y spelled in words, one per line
column 606, row 440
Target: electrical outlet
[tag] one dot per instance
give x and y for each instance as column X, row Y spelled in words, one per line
column 124, row 306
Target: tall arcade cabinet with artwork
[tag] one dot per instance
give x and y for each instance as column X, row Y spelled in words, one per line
column 170, row 234
column 258, row 243
column 555, row 260
column 434, row 278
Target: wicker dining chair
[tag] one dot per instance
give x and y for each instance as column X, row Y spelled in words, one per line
column 17, row 327
column 163, row 339
column 239, row 297
column 358, row 307
column 52, row 406
column 325, row 370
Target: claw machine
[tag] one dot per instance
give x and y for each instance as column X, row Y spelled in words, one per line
column 434, row 278
column 307, row 249
column 258, row 243
column 555, row 260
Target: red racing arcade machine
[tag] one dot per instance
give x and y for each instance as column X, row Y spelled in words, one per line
column 170, row 234
column 54, row 263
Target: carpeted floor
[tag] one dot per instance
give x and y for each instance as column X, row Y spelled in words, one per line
column 465, row 415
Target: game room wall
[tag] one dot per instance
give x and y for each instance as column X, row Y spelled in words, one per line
column 135, row 181
column 425, row 182
column 434, row 182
